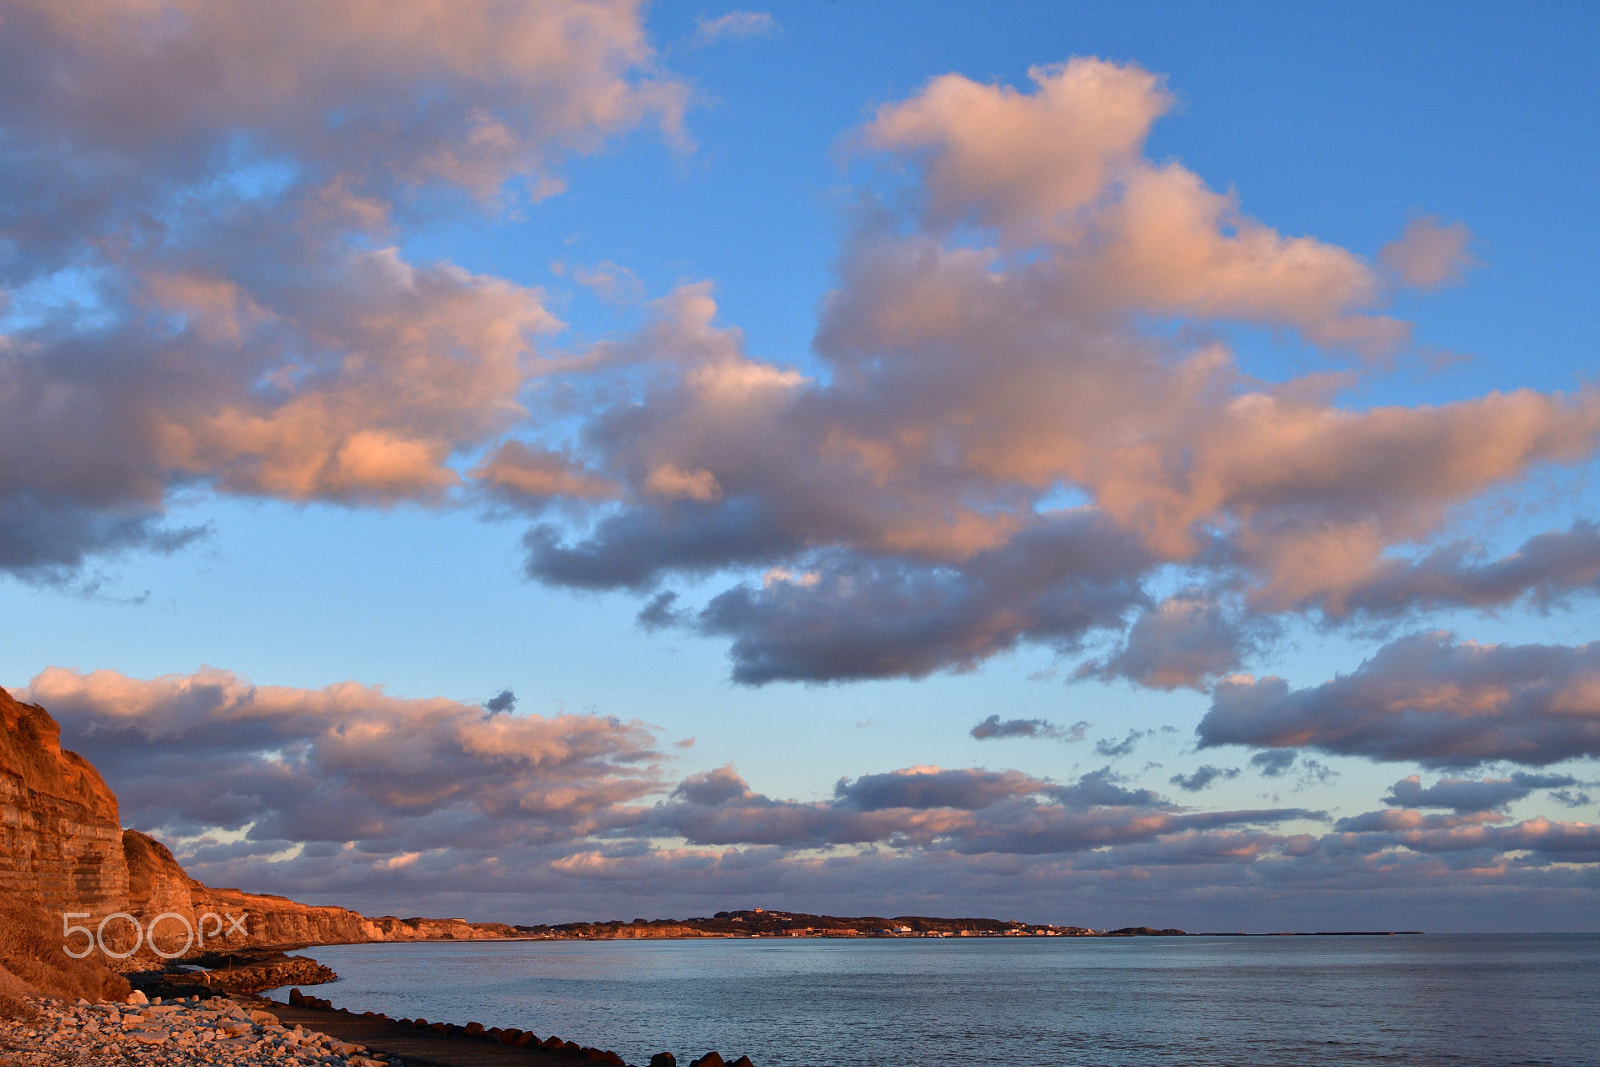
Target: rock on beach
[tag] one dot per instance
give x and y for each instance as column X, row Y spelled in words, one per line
column 216, row 1032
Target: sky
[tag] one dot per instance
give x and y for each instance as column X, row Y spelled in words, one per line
column 1105, row 464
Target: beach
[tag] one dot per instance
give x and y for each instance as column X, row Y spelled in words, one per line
column 217, row 1030
column 247, row 1031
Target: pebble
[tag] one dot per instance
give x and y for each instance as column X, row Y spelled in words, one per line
column 205, row 1033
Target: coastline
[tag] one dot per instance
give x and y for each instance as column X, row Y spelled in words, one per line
column 402, row 1041
column 245, row 1030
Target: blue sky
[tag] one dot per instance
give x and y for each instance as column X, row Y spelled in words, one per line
column 1089, row 364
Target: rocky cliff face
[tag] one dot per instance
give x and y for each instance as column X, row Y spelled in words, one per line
column 274, row 920
column 62, row 848
column 60, row 840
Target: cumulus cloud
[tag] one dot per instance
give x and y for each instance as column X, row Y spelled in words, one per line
column 1567, row 798
column 1202, row 777
column 933, row 787
column 1430, row 253
column 1428, row 698
column 1183, row 641
column 989, row 352
column 1467, row 795
column 244, row 773
column 1274, row 763
column 347, row 763
column 862, row 619
column 1483, row 832
column 468, row 95
column 1546, row 570
column 530, row 476
column 969, row 811
column 994, row 727
column 46, row 538
column 346, row 794
column 503, row 701
column 1022, row 161
column 1021, row 427
column 224, row 219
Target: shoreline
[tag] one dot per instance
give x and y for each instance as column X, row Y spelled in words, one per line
column 403, row 1042
column 245, row 1030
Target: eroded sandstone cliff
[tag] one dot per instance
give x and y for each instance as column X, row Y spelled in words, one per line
column 60, row 839
column 63, row 852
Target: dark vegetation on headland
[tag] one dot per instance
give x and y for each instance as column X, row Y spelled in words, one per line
column 760, row 922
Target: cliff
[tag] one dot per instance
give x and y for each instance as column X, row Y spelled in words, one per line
column 60, row 839
column 63, row 850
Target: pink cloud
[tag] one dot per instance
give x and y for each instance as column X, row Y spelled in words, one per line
column 1022, row 412
column 1023, row 162
column 1186, row 640
column 1428, row 698
column 970, row 377
column 1430, row 254
column 224, row 179
column 346, row 794
column 346, row 763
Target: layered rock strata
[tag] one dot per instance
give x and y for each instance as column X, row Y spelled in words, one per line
column 60, row 839
column 62, row 847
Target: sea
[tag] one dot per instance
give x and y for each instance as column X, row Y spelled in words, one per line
column 1024, row 1002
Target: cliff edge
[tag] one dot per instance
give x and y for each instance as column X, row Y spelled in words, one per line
column 63, row 851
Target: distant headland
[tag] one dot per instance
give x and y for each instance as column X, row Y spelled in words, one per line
column 761, row 922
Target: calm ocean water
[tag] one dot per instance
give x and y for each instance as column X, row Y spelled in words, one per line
column 1057, row 1002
